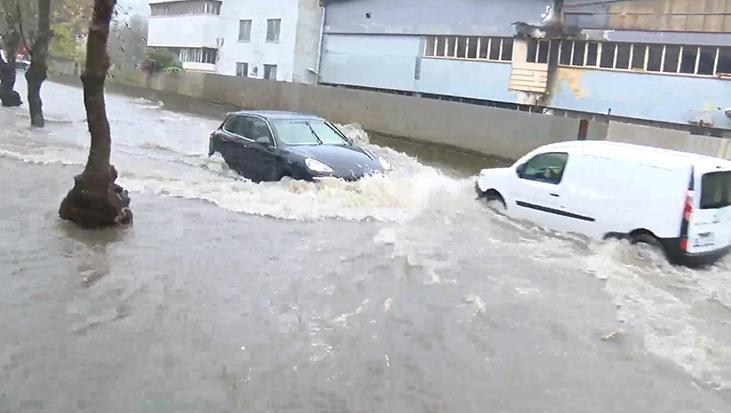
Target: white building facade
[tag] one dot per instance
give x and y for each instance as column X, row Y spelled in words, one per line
column 265, row 39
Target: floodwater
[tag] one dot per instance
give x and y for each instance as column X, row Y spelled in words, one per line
column 399, row 293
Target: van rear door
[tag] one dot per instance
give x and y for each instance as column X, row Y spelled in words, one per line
column 709, row 228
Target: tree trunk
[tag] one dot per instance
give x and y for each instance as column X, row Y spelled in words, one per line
column 95, row 200
column 8, row 96
column 38, row 70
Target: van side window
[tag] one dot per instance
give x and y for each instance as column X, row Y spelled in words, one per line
column 546, row 167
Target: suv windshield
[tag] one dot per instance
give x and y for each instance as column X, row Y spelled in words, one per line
column 716, row 191
column 307, row 132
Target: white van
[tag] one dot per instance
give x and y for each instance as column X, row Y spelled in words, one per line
column 674, row 200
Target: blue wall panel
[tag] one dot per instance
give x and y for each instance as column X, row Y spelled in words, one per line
column 478, row 80
column 664, row 98
column 385, row 62
column 389, row 62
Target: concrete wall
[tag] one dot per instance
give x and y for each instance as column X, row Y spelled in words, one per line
column 669, row 139
column 665, row 98
column 460, row 17
column 499, row 132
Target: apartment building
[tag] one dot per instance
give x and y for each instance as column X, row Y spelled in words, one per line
column 273, row 39
column 663, row 61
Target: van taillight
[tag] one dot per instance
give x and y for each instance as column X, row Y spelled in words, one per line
column 688, row 209
column 687, row 213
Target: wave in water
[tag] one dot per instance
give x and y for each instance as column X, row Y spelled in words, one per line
column 180, row 170
column 683, row 314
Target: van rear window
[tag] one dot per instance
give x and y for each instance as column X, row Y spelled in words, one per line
column 716, row 190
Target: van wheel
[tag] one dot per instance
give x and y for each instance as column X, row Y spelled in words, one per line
column 495, row 201
column 647, row 242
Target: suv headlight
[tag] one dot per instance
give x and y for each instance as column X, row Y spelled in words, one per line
column 384, row 164
column 316, row 166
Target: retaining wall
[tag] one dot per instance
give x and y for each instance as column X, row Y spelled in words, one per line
column 669, row 139
column 503, row 133
column 498, row 132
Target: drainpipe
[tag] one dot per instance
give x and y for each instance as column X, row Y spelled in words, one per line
column 555, row 23
column 320, row 44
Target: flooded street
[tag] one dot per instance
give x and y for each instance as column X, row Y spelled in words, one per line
column 397, row 293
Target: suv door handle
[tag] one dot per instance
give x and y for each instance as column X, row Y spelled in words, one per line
column 555, row 195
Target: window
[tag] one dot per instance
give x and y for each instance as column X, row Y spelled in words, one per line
column 565, row 51
column 461, row 47
column 691, row 60
column 544, row 47
column 303, row 132
column 623, row 54
column 654, row 58
column 181, row 8
column 507, row 45
column 579, row 53
column 592, row 51
column 242, row 69
column 236, row 125
column 495, row 46
column 688, row 59
column 638, row 56
column 273, row 28
column 716, row 190
column 430, row 47
column 607, row 58
column 484, row 48
column 270, row 72
column 472, row 47
column 672, row 56
column 198, row 55
column 248, row 127
column 538, row 51
column 724, row 60
column 532, row 51
column 257, row 128
column 441, row 48
column 244, row 30
column 546, row 167
column 706, row 60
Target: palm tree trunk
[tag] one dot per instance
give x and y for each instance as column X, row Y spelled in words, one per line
column 38, row 70
column 95, row 200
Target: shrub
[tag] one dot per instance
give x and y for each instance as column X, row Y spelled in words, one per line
column 157, row 60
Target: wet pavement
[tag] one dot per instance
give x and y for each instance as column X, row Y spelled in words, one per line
column 397, row 293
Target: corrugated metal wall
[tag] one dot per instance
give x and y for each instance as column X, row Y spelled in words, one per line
column 661, row 15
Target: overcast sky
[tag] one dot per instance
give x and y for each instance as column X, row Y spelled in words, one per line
column 134, row 7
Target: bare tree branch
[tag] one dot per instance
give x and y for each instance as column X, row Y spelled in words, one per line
column 20, row 28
